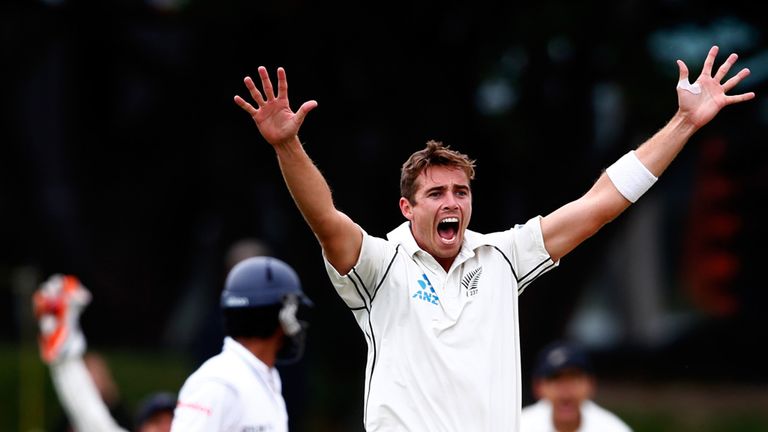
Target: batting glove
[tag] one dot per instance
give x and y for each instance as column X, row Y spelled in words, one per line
column 57, row 305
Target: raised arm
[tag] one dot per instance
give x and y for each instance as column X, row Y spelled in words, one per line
column 698, row 104
column 340, row 238
column 57, row 305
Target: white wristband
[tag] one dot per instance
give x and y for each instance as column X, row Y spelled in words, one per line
column 630, row 176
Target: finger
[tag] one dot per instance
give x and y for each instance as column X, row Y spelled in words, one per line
column 739, row 98
column 266, row 83
column 245, row 105
column 282, row 84
column 305, row 108
column 683, row 71
column 682, row 81
column 710, row 61
column 736, row 79
column 725, row 67
column 255, row 93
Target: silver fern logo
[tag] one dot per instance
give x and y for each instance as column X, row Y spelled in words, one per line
column 471, row 280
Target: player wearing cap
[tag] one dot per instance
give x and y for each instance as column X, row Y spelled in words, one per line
column 155, row 412
column 57, row 305
column 240, row 388
column 564, row 384
column 437, row 303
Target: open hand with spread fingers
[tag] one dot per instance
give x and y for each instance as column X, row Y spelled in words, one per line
column 701, row 101
column 272, row 114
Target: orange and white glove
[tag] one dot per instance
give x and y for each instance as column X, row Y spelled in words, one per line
column 57, row 304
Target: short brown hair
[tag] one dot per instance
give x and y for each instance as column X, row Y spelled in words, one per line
column 434, row 154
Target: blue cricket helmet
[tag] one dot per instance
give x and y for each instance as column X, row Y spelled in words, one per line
column 264, row 281
column 261, row 281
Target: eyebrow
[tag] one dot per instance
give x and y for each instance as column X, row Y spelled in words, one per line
column 442, row 188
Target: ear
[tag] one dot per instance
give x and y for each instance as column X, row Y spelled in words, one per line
column 406, row 208
column 538, row 392
column 592, row 383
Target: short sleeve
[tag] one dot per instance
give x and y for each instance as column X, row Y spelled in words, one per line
column 357, row 286
column 205, row 406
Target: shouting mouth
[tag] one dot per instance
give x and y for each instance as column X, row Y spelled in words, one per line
column 448, row 228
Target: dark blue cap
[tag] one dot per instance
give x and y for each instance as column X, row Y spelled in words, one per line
column 153, row 404
column 561, row 355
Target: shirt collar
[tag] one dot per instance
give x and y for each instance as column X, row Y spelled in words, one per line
column 403, row 235
column 251, row 360
column 269, row 375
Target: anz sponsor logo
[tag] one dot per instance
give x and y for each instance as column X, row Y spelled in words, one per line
column 470, row 281
column 426, row 291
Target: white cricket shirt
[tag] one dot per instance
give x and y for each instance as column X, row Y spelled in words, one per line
column 232, row 391
column 443, row 348
column 594, row 418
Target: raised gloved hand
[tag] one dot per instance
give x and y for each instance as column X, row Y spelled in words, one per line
column 57, row 305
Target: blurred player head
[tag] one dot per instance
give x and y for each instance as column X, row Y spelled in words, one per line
column 563, row 375
column 261, row 299
column 155, row 413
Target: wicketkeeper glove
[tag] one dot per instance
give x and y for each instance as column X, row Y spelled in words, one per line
column 57, row 305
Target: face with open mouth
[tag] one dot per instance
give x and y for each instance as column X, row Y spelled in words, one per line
column 440, row 211
column 566, row 391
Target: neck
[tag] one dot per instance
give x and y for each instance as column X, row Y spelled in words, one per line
column 567, row 425
column 445, row 263
column 264, row 349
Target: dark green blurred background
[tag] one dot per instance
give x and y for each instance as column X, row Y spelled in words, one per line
column 123, row 160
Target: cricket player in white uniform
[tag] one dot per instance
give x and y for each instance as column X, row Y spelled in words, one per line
column 437, row 303
column 240, row 388
column 564, row 384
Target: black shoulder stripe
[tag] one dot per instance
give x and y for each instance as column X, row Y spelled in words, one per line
column 511, row 267
column 531, row 276
column 373, row 365
column 535, row 271
column 386, row 273
column 362, row 284
column 359, row 293
column 370, row 334
column 525, row 284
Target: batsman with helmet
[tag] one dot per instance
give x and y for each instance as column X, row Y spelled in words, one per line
column 240, row 388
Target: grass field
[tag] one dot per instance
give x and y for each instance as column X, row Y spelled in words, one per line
column 28, row 403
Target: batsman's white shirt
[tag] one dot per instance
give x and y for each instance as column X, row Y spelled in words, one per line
column 232, row 391
column 594, row 418
column 443, row 348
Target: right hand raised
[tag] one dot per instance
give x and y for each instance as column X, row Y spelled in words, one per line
column 273, row 116
column 57, row 305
